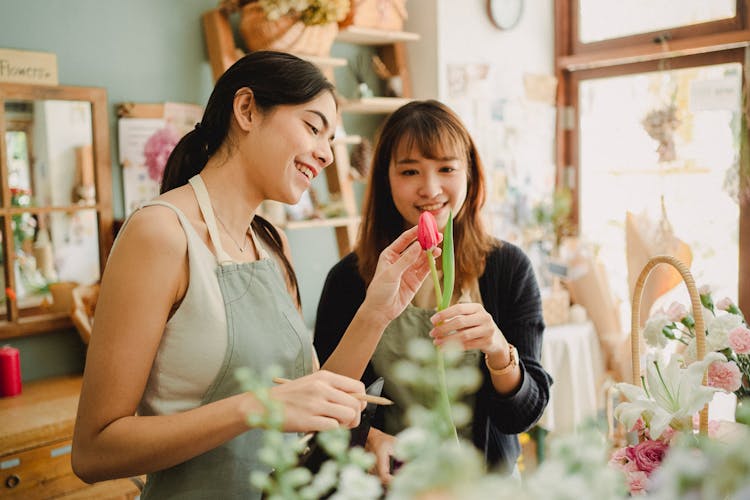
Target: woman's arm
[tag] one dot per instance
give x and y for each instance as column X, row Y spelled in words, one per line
column 513, row 289
column 145, row 276
column 343, row 294
column 401, row 268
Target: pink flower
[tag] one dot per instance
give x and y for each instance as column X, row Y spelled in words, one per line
column 427, row 232
column 157, row 150
column 638, row 426
column 619, row 460
column 637, row 482
column 676, row 312
column 724, row 304
column 714, row 426
column 667, row 435
column 648, row 454
column 739, row 340
column 724, row 375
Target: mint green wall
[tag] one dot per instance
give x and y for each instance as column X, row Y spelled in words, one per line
column 141, row 51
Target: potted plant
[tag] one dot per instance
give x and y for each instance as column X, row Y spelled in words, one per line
column 306, row 27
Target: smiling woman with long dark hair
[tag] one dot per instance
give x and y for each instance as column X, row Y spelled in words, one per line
column 198, row 286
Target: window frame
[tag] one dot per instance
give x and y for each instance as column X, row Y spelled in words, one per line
column 696, row 45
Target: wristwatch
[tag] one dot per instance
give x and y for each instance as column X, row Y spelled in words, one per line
column 511, row 365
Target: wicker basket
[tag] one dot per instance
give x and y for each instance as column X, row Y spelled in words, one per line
column 386, row 15
column 700, row 328
column 286, row 34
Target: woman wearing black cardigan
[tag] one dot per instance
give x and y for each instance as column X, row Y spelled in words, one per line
column 425, row 160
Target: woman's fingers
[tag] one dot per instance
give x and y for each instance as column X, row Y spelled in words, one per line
column 342, row 382
column 463, row 308
column 320, row 401
column 403, row 241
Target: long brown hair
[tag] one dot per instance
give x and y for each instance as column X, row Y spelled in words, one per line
column 432, row 127
column 276, row 79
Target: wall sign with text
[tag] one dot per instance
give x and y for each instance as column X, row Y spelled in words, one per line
column 23, row 66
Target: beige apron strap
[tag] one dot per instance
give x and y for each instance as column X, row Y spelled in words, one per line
column 204, row 203
column 262, row 253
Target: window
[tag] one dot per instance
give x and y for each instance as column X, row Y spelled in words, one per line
column 654, row 118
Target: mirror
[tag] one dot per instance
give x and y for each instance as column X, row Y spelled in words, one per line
column 56, row 209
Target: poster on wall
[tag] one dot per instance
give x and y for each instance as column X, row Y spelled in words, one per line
column 511, row 117
column 145, row 143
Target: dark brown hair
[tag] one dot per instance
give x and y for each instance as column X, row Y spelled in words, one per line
column 276, row 79
column 433, row 128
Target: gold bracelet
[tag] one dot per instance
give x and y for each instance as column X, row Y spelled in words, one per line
column 511, row 365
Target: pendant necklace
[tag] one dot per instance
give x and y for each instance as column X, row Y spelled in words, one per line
column 246, row 240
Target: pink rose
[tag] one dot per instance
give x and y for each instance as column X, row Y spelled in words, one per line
column 724, row 375
column 676, row 312
column 637, row 482
column 739, row 340
column 648, row 454
column 714, row 426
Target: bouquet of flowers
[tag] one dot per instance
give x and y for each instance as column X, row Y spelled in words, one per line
column 310, row 12
column 726, row 332
column 663, row 405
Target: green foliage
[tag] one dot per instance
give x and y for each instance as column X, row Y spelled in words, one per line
column 280, row 453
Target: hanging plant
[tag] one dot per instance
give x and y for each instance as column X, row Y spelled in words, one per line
column 660, row 124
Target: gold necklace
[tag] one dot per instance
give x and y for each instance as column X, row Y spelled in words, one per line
column 246, row 240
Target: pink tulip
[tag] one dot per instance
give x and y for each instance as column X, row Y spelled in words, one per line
column 427, row 233
column 739, row 340
column 724, row 375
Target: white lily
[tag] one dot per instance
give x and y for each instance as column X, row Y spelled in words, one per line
column 675, row 395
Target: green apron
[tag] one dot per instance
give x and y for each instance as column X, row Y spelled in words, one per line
column 413, row 323
column 264, row 328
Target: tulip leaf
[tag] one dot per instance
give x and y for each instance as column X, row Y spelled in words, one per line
column 449, row 263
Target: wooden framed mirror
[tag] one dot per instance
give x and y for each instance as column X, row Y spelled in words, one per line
column 55, row 202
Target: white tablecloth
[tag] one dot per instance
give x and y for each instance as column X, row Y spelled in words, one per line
column 571, row 354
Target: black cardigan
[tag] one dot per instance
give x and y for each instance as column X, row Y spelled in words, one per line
column 511, row 295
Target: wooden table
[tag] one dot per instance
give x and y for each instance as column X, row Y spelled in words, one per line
column 36, row 431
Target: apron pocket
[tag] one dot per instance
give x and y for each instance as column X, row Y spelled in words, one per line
column 303, row 360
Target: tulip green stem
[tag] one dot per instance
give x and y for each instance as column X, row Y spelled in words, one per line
column 435, row 280
column 445, row 404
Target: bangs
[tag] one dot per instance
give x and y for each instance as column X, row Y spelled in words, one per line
column 432, row 140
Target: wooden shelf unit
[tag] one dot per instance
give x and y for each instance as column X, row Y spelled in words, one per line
column 223, row 52
column 370, row 36
column 373, row 105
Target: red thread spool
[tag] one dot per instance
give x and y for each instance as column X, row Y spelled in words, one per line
column 10, row 371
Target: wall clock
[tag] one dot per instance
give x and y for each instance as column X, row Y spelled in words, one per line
column 505, row 14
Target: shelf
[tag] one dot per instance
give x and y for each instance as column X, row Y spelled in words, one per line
column 371, row 36
column 323, row 62
column 313, row 223
column 374, row 105
column 348, row 139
